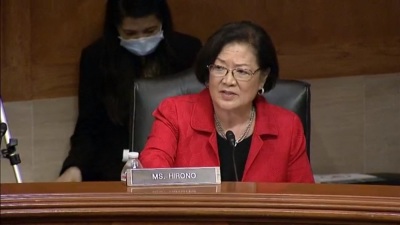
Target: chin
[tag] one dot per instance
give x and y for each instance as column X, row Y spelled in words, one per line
column 226, row 105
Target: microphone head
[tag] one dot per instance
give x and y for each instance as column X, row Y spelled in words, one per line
column 3, row 129
column 230, row 136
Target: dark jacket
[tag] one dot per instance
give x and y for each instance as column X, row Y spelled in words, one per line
column 98, row 142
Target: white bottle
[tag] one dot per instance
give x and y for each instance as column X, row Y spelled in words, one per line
column 132, row 163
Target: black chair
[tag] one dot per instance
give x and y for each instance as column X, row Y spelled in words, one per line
column 148, row 93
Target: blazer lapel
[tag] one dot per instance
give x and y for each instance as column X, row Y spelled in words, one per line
column 264, row 125
column 203, row 119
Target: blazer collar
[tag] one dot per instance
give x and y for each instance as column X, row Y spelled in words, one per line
column 203, row 115
column 203, row 112
column 266, row 123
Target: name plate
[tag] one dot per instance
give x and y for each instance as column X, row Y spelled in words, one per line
column 173, row 176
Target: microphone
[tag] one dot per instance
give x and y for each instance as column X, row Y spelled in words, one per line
column 230, row 136
column 3, row 129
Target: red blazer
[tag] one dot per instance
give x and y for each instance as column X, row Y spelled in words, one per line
column 184, row 135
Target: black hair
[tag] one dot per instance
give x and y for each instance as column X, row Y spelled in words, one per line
column 240, row 32
column 117, row 10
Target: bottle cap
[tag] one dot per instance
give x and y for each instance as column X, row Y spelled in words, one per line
column 125, row 155
column 132, row 155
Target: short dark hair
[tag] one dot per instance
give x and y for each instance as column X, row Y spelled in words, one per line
column 117, row 10
column 240, row 32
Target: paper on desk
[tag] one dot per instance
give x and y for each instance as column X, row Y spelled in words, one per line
column 345, row 178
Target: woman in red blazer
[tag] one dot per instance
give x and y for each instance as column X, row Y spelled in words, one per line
column 229, row 124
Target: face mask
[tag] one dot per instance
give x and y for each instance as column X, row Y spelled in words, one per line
column 142, row 46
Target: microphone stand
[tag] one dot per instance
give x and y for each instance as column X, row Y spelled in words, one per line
column 232, row 141
column 10, row 152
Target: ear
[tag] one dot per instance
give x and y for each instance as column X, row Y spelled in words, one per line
column 263, row 77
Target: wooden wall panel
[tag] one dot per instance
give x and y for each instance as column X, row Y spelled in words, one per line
column 60, row 29
column 16, row 80
column 314, row 38
column 42, row 39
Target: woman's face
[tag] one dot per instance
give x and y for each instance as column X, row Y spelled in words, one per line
column 229, row 93
column 133, row 28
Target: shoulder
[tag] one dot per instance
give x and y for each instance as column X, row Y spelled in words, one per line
column 194, row 110
column 94, row 49
column 184, row 105
column 177, row 38
column 282, row 116
column 281, row 112
column 184, row 44
column 180, row 101
column 177, row 108
column 89, row 62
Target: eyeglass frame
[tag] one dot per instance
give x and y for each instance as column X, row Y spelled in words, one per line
column 210, row 67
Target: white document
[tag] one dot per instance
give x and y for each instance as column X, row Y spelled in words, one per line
column 345, row 178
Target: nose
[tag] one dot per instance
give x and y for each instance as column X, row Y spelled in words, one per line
column 229, row 79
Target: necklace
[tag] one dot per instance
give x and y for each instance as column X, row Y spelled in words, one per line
column 220, row 130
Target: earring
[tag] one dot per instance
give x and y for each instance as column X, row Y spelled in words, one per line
column 261, row 91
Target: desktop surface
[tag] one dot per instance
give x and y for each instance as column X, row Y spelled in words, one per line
column 229, row 202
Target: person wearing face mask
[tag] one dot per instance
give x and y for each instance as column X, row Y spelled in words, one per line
column 138, row 41
column 142, row 46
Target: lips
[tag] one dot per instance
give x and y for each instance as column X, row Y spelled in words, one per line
column 228, row 92
column 228, row 95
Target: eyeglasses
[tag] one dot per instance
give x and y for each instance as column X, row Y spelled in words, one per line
column 238, row 73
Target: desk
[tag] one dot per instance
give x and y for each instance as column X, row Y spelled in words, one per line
column 229, row 203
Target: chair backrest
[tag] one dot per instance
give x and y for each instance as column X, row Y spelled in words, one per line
column 148, row 93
